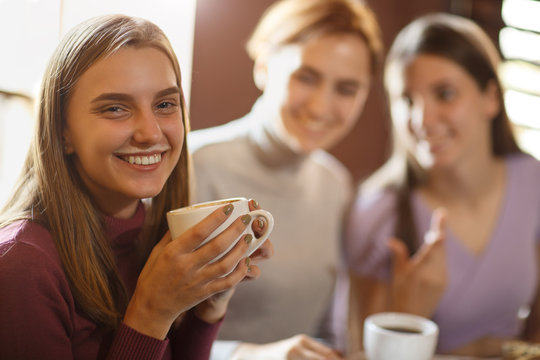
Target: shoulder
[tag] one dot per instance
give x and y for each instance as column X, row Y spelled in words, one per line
column 522, row 162
column 325, row 175
column 368, row 228
column 27, row 250
column 368, row 208
column 35, row 297
column 212, row 149
column 217, row 137
column 26, row 233
column 331, row 169
column 330, row 164
column 524, row 175
column 371, row 216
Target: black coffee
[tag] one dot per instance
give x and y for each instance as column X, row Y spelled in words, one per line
column 400, row 329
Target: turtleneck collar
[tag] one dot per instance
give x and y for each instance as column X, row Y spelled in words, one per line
column 267, row 140
column 124, row 232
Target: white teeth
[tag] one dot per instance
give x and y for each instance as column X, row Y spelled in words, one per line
column 143, row 160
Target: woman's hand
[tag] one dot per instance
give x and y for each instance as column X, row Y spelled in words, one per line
column 178, row 276
column 214, row 308
column 299, row 347
column 419, row 282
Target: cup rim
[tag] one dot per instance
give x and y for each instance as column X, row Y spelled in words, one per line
column 379, row 320
column 206, row 204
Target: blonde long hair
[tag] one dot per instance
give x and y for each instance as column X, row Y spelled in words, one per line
column 50, row 191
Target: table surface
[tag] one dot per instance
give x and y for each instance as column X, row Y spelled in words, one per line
column 361, row 356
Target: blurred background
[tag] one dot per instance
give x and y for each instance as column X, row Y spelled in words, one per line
column 209, row 38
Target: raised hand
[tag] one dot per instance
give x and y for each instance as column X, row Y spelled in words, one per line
column 418, row 282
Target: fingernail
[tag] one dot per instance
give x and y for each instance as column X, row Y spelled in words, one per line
column 248, row 262
column 246, row 219
column 255, row 204
column 228, row 209
column 261, row 223
column 248, row 239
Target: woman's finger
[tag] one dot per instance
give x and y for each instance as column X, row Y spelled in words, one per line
column 434, row 238
column 253, row 205
column 195, row 235
column 265, row 251
column 436, row 228
column 400, row 255
column 226, row 242
column 219, row 284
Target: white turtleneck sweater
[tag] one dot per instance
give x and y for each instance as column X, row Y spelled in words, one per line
column 307, row 195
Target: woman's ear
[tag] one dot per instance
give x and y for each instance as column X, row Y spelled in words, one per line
column 260, row 73
column 492, row 99
column 68, row 147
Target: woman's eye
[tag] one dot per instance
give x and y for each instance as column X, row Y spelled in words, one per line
column 347, row 90
column 306, row 78
column 113, row 109
column 164, row 105
column 167, row 107
column 446, row 94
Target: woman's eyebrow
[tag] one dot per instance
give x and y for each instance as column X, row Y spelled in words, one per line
column 127, row 97
column 112, row 96
column 168, row 91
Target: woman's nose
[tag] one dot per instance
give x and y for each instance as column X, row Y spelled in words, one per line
column 147, row 128
column 320, row 102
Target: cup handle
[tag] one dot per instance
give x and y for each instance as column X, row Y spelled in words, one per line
column 257, row 242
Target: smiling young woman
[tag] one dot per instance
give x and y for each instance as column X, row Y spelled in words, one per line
column 87, row 269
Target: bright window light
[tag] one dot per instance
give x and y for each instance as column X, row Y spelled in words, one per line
column 523, row 14
column 523, row 109
column 518, row 44
column 523, row 76
column 528, row 141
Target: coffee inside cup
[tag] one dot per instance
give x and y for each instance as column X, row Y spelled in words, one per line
column 209, row 203
column 402, row 329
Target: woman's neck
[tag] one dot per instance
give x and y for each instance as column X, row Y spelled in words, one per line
column 471, row 181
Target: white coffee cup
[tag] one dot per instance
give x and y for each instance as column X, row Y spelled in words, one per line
column 392, row 336
column 180, row 220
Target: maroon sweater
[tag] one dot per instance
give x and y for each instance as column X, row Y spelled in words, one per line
column 38, row 315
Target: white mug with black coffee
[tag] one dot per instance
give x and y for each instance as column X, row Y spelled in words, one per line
column 392, row 336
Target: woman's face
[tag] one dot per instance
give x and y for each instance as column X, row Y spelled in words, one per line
column 320, row 87
column 448, row 115
column 124, row 127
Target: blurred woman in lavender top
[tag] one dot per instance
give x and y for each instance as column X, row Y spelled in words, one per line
column 473, row 268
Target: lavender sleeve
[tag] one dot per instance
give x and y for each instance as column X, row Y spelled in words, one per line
column 367, row 232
